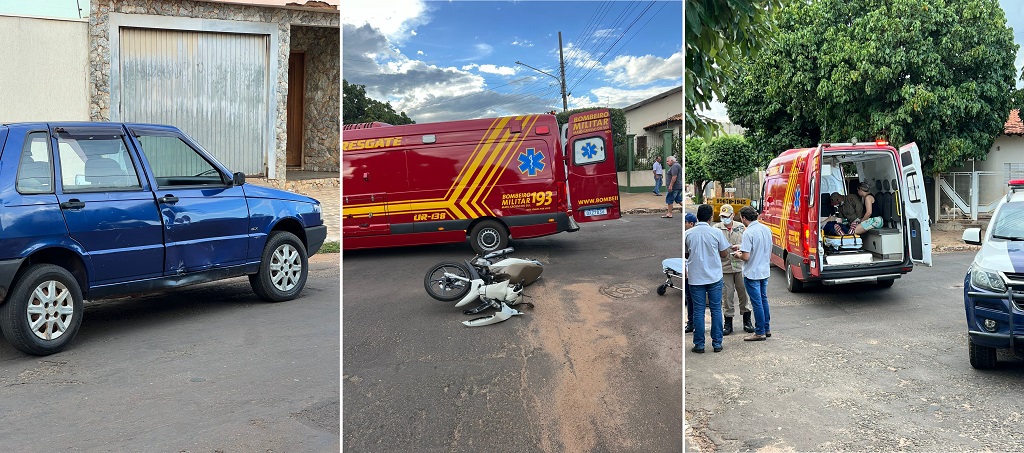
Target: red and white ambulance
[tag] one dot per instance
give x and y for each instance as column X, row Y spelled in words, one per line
column 795, row 206
column 486, row 179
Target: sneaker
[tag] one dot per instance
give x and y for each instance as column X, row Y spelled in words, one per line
column 697, row 350
column 768, row 334
column 689, row 328
column 718, row 349
column 755, row 337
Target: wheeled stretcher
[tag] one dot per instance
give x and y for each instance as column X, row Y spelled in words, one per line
column 673, row 268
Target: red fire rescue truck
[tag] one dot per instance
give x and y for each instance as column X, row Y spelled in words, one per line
column 487, row 179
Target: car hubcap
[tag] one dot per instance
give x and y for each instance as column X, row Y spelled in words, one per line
column 50, row 310
column 285, row 268
column 489, row 239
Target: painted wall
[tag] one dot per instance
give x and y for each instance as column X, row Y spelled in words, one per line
column 44, row 73
column 653, row 112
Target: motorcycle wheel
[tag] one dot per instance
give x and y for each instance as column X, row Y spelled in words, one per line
column 443, row 288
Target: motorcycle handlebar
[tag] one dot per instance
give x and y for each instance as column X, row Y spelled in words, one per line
column 498, row 253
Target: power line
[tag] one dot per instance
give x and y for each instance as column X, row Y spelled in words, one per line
column 608, row 52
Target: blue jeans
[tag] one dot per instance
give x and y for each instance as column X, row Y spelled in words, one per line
column 710, row 296
column 657, row 185
column 757, row 291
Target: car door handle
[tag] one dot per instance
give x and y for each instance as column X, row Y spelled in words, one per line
column 73, row 203
column 168, row 199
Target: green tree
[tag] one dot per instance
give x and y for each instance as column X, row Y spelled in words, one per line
column 356, row 107
column 939, row 73
column 719, row 35
column 729, row 157
column 696, row 171
column 618, row 117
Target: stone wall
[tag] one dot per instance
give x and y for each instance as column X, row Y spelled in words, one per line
column 322, row 118
column 99, row 47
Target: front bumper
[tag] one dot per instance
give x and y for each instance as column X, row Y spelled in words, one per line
column 315, row 237
column 1002, row 309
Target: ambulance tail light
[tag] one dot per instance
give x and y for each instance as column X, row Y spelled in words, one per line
column 807, row 244
column 542, row 130
column 881, row 142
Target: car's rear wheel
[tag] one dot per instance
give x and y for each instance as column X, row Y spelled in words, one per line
column 283, row 268
column 982, row 357
column 43, row 311
column 793, row 284
column 488, row 236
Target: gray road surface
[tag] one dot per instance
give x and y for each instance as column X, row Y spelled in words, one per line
column 584, row 371
column 857, row 369
column 207, row 368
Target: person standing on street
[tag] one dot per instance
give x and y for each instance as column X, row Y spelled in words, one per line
column 674, row 187
column 659, row 173
column 755, row 250
column 688, row 222
column 705, row 248
column 732, row 270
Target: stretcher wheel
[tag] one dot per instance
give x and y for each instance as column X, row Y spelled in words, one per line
column 662, row 288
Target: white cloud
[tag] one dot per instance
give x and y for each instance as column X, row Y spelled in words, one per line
column 500, row 70
column 636, row 71
column 419, row 52
column 522, row 43
column 604, row 33
column 396, row 19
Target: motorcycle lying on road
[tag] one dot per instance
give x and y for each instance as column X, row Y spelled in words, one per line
column 495, row 279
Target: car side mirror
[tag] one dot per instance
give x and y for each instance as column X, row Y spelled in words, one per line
column 238, row 178
column 972, row 236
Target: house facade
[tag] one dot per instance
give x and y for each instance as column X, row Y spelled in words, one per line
column 258, row 85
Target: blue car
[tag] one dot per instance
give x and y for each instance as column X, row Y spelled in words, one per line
column 994, row 284
column 99, row 210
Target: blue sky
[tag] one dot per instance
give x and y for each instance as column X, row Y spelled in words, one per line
column 441, row 61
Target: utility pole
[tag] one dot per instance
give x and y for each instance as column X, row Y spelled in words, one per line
column 561, row 66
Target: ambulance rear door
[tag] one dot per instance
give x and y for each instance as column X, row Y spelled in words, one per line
column 590, row 160
column 915, row 205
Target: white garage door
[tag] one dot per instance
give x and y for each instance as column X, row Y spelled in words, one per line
column 212, row 86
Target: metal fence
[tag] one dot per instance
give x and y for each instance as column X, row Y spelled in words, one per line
column 972, row 194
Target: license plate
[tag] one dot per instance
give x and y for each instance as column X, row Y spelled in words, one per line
column 595, row 212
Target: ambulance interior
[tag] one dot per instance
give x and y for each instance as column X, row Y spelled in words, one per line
column 841, row 172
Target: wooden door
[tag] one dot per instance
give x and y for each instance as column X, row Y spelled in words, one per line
column 296, row 104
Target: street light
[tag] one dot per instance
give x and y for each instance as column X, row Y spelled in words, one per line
column 561, row 80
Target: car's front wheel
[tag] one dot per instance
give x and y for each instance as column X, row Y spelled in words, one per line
column 43, row 311
column 283, row 268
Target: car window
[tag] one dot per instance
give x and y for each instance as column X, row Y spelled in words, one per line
column 175, row 163
column 90, row 163
column 35, row 172
column 1009, row 223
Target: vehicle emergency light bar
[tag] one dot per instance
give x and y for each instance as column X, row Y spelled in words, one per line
column 1015, row 185
column 874, row 143
column 351, row 127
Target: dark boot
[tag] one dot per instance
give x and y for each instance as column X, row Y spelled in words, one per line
column 728, row 326
column 689, row 327
column 747, row 326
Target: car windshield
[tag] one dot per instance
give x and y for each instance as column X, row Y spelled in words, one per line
column 1009, row 224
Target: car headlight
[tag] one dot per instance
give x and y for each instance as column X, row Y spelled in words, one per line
column 316, row 208
column 987, row 279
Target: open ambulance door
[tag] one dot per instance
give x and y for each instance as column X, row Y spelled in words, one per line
column 591, row 175
column 916, row 205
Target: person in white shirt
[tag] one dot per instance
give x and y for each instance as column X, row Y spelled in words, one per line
column 755, row 251
column 705, row 248
column 659, row 173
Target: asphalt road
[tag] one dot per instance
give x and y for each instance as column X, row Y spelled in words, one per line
column 857, row 369
column 206, row 368
column 587, row 370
